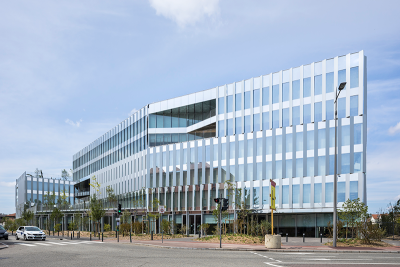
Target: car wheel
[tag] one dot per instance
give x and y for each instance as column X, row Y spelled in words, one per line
column 6, row 238
column 25, row 238
column 16, row 237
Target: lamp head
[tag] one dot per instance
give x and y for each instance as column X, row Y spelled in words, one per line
column 342, row 85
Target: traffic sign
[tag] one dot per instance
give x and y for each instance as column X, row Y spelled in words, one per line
column 161, row 209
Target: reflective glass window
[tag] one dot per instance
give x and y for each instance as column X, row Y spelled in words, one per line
column 331, row 164
column 175, row 117
column 310, row 140
column 232, row 150
column 278, row 168
column 240, row 176
column 275, row 119
column 285, row 117
column 259, row 171
column 265, row 194
column 330, row 82
column 221, row 128
column 321, row 165
column 306, row 87
column 259, row 146
column 247, row 124
column 285, row 92
column 353, row 190
column 345, row 163
column 238, row 125
column 357, row 133
column 275, row 94
column 317, row 111
column 328, row 192
column 268, row 170
column 342, row 77
column 354, row 79
column 249, row 176
column 278, row 144
column 229, row 127
column 310, row 166
column 221, row 105
column 238, row 102
column 332, row 137
column 299, row 168
column 321, row 138
column 250, row 148
column 296, row 194
column 167, row 119
column 342, row 107
column 229, row 103
column 256, row 122
column 265, row 120
column 268, row 145
column 354, row 105
column 285, row 194
column 246, row 100
column 215, row 152
column 296, row 115
column 318, row 193
column 241, row 149
column 306, row 193
column 265, row 96
column 341, row 191
column 329, row 110
column 307, row 113
column 289, row 172
column 160, row 121
column 256, row 98
column 152, row 121
column 223, row 151
column 296, row 89
column 299, row 141
column 318, row 85
column 289, row 142
column 345, row 135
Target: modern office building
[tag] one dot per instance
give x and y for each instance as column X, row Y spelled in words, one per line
column 30, row 192
column 277, row 126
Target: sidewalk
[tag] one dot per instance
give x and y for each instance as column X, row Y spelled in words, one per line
column 187, row 243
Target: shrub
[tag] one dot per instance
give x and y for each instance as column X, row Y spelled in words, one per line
column 57, row 227
column 107, row 227
column 137, row 226
column 165, row 226
column 125, row 228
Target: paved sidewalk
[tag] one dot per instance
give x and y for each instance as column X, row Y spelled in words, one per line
column 185, row 244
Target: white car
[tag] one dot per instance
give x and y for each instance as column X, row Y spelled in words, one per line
column 30, row 233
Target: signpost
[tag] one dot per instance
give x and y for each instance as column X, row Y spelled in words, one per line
column 272, row 207
column 161, row 209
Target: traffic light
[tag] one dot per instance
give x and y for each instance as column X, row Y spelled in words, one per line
column 119, row 208
column 225, row 204
column 216, row 200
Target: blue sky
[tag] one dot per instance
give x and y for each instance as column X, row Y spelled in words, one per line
column 71, row 70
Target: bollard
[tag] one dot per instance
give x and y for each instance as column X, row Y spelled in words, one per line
column 151, row 235
column 287, row 237
column 12, row 233
column 162, row 236
column 199, row 234
column 321, row 237
column 90, row 236
column 130, row 236
column 118, row 236
column 304, row 236
column 101, row 237
column 71, row 236
column 58, row 233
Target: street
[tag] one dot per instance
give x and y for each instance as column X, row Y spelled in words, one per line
column 94, row 253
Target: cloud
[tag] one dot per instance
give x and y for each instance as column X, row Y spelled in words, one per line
column 185, row 12
column 75, row 124
column 394, row 129
column 133, row 111
column 7, row 184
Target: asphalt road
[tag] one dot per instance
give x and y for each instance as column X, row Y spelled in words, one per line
column 55, row 252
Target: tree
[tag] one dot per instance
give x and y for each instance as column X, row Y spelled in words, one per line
column 56, row 215
column 154, row 206
column 96, row 209
column 49, row 200
column 353, row 211
column 63, row 200
column 65, row 175
column 27, row 215
column 126, row 217
column 111, row 197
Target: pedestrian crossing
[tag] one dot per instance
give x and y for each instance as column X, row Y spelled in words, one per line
column 61, row 243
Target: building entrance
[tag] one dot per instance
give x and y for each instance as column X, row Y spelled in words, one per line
column 194, row 223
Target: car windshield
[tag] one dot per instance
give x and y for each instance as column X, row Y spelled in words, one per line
column 32, row 229
column 1, row 228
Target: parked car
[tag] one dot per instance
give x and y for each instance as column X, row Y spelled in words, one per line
column 3, row 233
column 30, row 233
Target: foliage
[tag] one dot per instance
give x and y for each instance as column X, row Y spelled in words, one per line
column 204, row 227
column 72, row 226
column 126, row 217
column 63, row 200
column 137, row 227
column 20, row 222
column 111, row 197
column 49, row 199
column 370, row 232
column 352, row 211
column 65, row 174
column 125, row 228
column 224, row 214
column 154, row 216
column 56, row 215
column 27, row 215
column 10, row 224
column 57, row 227
column 107, row 227
column 183, row 229
column 77, row 221
column 165, row 226
column 96, row 209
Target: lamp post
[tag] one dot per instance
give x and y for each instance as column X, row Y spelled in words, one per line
column 341, row 87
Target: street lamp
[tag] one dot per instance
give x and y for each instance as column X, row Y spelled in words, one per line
column 341, row 87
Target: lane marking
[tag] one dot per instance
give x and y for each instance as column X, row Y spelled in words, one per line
column 42, row 244
column 273, row 264
column 28, row 245
column 60, row 244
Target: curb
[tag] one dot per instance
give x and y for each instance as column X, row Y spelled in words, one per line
column 4, row 246
column 269, row 250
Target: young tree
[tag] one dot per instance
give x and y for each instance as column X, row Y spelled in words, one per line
column 96, row 209
column 111, row 197
column 65, row 175
column 64, row 200
column 56, row 215
column 353, row 211
column 154, row 215
column 49, row 200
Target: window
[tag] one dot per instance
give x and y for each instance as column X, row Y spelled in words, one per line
column 246, row 100
column 275, row 119
column 285, row 117
column 317, row 111
column 268, row 170
column 329, row 110
column 342, row 107
column 318, row 85
column 353, row 190
column 329, row 82
column 221, row 107
column 285, row 92
column 278, row 144
column 250, row 148
column 345, row 163
column 307, row 113
column 342, row 77
column 229, row 127
column 357, row 134
column 238, row 125
column 289, row 142
column 247, row 124
column 296, row 194
column 259, row 171
column 268, row 144
column 256, row 122
column 289, row 172
column 354, row 79
column 238, row 102
column 229, row 103
column 331, row 164
column 306, row 193
column 310, row 166
column 278, row 169
column 232, row 151
column 354, row 105
column 249, row 176
column 256, row 98
column 152, row 121
column 223, row 151
column 317, row 193
column 259, row 147
column 306, row 87
column 296, row 89
column 285, row 194
column 265, row 120
column 310, row 140
column 328, row 192
column 299, row 168
column 241, row 149
column 296, row 115
column 321, row 138
column 299, row 141
column 341, row 191
column 265, row 96
column 345, row 135
column 321, row 165
column 275, row 94
column 265, row 194
column 221, row 128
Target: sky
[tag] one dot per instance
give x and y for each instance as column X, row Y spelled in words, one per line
column 72, row 70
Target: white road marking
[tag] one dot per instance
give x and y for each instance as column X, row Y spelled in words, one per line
column 57, row 243
column 272, row 264
column 43, row 244
column 27, row 245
